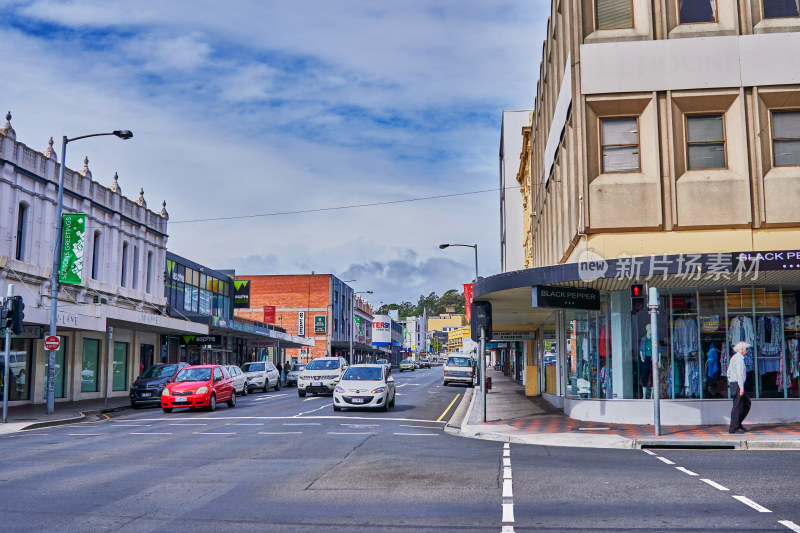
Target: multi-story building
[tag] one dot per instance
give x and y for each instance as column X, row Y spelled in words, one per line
column 446, row 322
column 664, row 148
column 315, row 306
column 459, row 341
column 512, row 229
column 387, row 338
column 415, row 335
column 110, row 317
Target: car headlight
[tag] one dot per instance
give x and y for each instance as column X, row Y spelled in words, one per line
column 165, row 392
column 202, row 390
column 336, row 379
column 339, row 389
column 378, row 390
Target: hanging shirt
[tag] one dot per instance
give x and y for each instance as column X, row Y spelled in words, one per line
column 712, row 362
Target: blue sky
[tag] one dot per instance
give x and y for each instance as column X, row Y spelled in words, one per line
column 251, row 107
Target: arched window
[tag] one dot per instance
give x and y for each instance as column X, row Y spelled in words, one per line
column 147, row 286
column 97, row 255
column 22, row 231
column 135, row 283
column 124, row 275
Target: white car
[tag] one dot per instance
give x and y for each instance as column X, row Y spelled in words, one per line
column 365, row 386
column 261, row 375
column 239, row 380
column 458, row 369
column 294, row 373
column 321, row 375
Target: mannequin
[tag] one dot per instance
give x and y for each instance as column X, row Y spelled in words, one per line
column 645, row 361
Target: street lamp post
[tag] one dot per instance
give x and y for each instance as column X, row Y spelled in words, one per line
column 352, row 321
column 51, row 354
column 475, row 246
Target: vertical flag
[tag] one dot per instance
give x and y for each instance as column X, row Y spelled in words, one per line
column 468, row 299
column 73, row 238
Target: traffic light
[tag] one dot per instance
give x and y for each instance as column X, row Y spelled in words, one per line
column 17, row 314
column 481, row 316
column 5, row 316
column 638, row 295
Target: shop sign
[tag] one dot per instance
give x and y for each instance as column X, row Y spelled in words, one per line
column 200, row 340
column 29, row 332
column 496, row 345
column 709, row 324
column 450, row 310
column 468, row 299
column 241, row 295
column 320, row 324
column 381, row 331
column 269, row 314
column 524, row 335
column 301, row 323
column 566, row 298
column 73, row 236
column 779, row 260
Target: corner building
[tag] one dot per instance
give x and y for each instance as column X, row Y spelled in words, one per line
column 663, row 149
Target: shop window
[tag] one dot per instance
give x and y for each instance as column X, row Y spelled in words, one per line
column 120, row 366
column 705, row 136
column 791, row 355
column 781, row 8
column 59, row 389
column 712, row 345
column 614, row 14
column 588, row 355
column 124, row 274
column 90, row 366
column 97, row 259
column 22, row 231
column 695, row 11
column 18, row 369
column 786, row 138
column 619, row 144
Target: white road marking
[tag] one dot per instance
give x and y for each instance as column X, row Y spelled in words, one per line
column 203, row 424
column 506, row 473
column 664, row 459
column 791, row 525
column 313, row 398
column 714, row 484
column 418, row 427
column 685, row 471
column 148, row 433
column 506, row 453
column 313, row 410
column 246, row 424
column 506, row 461
column 352, row 433
column 507, row 529
column 118, row 425
column 508, row 495
column 302, row 424
column 210, row 433
column 280, row 432
column 267, row 397
column 648, row 452
column 366, row 425
column 506, row 446
column 418, row 434
column 84, row 434
column 508, row 512
column 507, row 490
column 751, row 503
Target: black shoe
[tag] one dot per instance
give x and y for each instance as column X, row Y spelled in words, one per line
column 732, row 431
column 744, row 429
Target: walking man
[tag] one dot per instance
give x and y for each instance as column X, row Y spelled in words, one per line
column 736, row 378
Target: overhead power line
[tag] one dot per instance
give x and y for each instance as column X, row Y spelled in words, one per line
column 338, row 208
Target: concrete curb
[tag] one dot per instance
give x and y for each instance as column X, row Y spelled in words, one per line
column 462, row 413
column 83, row 415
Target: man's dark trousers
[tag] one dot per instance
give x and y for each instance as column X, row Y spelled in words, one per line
column 741, row 406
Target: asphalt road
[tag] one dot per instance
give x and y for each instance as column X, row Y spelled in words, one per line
column 284, row 463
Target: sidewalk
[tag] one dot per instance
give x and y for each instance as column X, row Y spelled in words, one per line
column 22, row 417
column 513, row 417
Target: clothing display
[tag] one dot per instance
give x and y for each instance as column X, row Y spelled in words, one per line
column 684, row 337
column 768, row 343
column 741, row 330
column 712, row 363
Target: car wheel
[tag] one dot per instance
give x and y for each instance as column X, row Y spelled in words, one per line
column 301, row 393
column 244, row 390
column 232, row 401
column 278, row 385
column 266, row 384
column 134, row 405
column 391, row 404
column 385, row 407
column 444, row 384
column 336, row 408
column 212, row 403
column 471, row 385
column 167, row 409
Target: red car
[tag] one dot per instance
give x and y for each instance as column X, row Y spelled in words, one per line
column 199, row 386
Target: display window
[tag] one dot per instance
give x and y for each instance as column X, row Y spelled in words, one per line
column 19, row 369
column 90, row 366
column 59, row 385
column 120, row 366
column 588, row 354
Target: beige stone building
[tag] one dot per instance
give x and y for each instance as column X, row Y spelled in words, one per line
column 663, row 149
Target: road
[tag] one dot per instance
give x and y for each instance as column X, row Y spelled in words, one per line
column 286, row 463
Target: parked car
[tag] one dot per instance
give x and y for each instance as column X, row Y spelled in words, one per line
column 424, row 363
column 261, row 375
column 199, row 386
column 416, row 365
column 458, row 369
column 239, row 380
column 406, row 364
column 321, row 375
column 147, row 387
column 291, row 377
column 386, row 363
column 367, row 386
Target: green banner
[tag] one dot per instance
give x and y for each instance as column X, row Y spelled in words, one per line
column 72, row 246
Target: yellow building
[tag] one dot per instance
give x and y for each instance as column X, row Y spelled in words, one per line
column 455, row 339
column 663, row 150
column 446, row 322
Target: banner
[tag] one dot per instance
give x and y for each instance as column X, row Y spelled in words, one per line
column 320, row 325
column 73, row 237
column 468, row 299
column 269, row 314
column 301, row 323
column 241, row 296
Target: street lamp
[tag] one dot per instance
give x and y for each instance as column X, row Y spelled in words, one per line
column 352, row 321
column 51, row 354
column 475, row 246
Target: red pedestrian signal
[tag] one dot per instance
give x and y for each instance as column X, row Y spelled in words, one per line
column 637, row 297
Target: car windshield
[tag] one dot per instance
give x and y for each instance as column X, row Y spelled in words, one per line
column 323, row 364
column 298, row 368
column 382, row 361
column 158, row 371
column 362, row 374
column 458, row 361
column 193, row 374
column 253, row 367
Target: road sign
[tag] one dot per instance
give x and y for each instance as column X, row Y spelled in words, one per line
column 52, row 342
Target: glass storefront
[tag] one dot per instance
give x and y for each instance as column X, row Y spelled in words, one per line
column 59, row 385
column 120, row 367
column 90, row 366
column 19, row 370
column 588, row 351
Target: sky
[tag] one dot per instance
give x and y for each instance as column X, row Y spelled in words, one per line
column 259, row 122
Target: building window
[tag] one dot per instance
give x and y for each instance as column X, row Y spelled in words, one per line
column 96, row 255
column 135, row 283
column 705, row 136
column 90, row 366
column 614, row 14
column 786, row 138
column 694, row 11
column 774, row 9
column 119, row 376
column 148, row 279
column 124, row 274
column 619, row 144
column 22, row 234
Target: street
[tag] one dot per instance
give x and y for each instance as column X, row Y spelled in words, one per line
column 286, row 463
